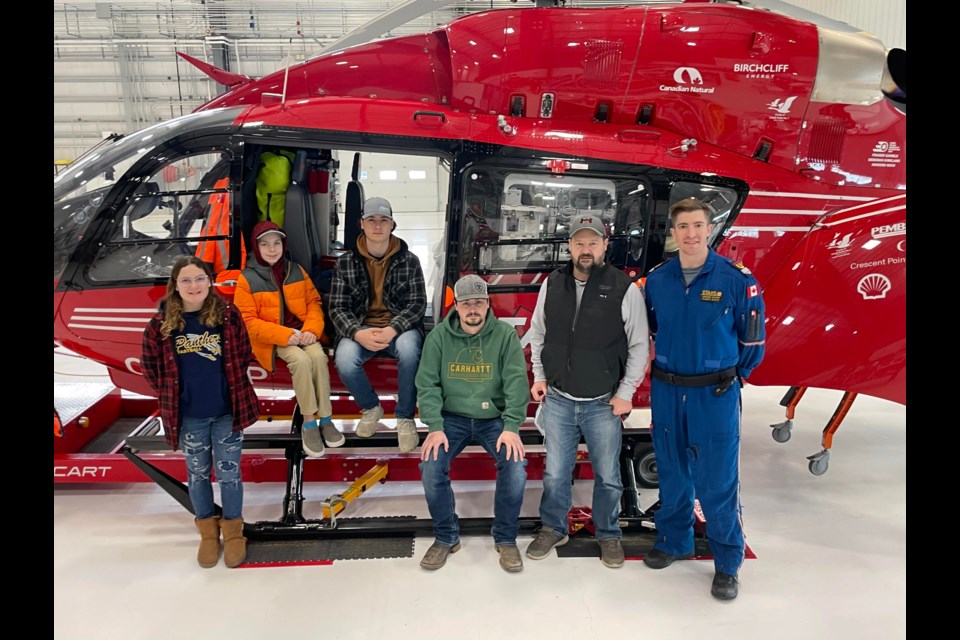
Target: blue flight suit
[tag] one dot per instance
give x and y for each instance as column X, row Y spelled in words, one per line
column 715, row 324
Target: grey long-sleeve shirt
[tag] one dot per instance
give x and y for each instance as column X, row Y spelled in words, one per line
column 634, row 313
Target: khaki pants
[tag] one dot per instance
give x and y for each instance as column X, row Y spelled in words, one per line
column 311, row 377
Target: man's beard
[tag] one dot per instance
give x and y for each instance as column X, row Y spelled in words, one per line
column 473, row 320
column 586, row 269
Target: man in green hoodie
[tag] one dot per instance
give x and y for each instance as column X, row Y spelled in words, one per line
column 472, row 389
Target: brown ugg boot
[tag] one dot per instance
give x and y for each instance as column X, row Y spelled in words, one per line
column 209, row 552
column 234, row 544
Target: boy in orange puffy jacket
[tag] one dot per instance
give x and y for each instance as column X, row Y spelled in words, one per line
column 282, row 311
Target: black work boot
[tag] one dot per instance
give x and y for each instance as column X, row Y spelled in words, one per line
column 725, row 586
column 658, row 559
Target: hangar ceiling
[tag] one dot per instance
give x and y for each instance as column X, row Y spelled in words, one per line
column 116, row 68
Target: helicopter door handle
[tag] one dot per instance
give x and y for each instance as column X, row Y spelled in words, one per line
column 429, row 117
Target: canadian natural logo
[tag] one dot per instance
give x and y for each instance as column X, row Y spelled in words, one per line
column 688, row 80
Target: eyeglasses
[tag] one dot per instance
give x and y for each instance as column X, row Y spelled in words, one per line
column 476, row 303
column 186, row 282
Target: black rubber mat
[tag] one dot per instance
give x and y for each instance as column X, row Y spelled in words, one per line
column 274, row 553
column 635, row 546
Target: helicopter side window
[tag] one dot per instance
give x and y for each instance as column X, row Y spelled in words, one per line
column 523, row 226
column 518, row 222
column 183, row 203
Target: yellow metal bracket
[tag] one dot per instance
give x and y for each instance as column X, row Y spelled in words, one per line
column 337, row 502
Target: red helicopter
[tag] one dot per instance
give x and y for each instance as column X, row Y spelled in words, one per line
column 516, row 120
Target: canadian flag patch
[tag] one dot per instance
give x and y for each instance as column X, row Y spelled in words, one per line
column 752, row 291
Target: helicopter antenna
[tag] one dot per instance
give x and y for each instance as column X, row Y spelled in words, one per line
column 286, row 76
column 289, row 59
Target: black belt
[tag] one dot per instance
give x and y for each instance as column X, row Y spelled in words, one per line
column 721, row 378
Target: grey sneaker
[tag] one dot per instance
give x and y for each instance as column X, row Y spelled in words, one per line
column 546, row 540
column 611, row 552
column 510, row 559
column 369, row 419
column 436, row 556
column 407, row 436
column 332, row 435
column 312, row 442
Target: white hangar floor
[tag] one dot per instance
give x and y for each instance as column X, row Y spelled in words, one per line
column 830, row 557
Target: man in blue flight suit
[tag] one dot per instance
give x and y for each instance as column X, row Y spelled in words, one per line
column 706, row 316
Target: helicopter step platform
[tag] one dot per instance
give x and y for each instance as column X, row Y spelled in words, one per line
column 143, row 455
column 91, row 449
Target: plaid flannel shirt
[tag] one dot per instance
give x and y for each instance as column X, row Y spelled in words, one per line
column 159, row 365
column 404, row 292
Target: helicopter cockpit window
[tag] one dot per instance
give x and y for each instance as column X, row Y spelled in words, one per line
column 186, row 200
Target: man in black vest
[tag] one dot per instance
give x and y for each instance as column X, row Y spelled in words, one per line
column 589, row 347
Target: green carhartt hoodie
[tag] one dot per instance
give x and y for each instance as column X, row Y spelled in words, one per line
column 480, row 376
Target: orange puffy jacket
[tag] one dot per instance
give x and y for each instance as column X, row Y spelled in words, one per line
column 259, row 302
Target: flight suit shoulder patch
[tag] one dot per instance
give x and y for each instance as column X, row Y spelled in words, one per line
column 739, row 266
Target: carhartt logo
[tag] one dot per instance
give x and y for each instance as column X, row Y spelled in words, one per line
column 470, row 367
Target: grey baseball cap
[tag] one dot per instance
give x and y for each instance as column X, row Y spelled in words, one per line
column 470, row 287
column 377, row 207
column 594, row 223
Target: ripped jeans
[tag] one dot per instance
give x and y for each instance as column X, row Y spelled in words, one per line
column 203, row 441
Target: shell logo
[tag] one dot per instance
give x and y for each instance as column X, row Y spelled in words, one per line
column 874, row 286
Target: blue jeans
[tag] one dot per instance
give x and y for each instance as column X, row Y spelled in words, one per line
column 204, row 440
column 350, row 357
column 565, row 420
column 511, row 480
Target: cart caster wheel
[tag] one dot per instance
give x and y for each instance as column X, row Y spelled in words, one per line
column 819, row 462
column 818, row 467
column 781, row 430
column 781, row 434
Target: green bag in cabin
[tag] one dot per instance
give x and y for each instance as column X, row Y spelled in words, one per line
column 273, row 178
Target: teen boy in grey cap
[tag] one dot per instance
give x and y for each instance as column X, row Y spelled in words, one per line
column 589, row 349
column 472, row 386
column 377, row 302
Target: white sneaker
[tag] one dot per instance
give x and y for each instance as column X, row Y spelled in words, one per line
column 407, row 436
column 369, row 419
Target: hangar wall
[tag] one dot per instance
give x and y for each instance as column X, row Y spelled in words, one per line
column 116, row 68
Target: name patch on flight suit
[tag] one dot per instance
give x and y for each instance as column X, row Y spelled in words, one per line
column 710, row 296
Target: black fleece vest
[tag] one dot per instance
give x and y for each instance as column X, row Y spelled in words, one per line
column 589, row 360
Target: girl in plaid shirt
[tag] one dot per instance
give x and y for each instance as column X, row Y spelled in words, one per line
column 195, row 356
